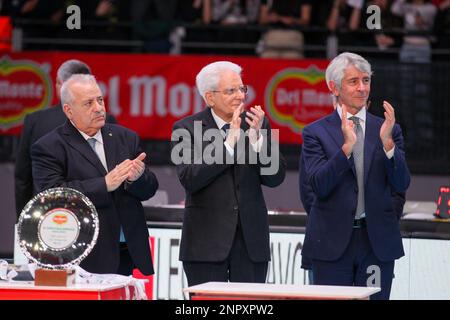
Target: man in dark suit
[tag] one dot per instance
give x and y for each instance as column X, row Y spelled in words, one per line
column 355, row 164
column 36, row 125
column 104, row 162
column 225, row 234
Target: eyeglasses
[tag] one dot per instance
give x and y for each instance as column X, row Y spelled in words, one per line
column 231, row 91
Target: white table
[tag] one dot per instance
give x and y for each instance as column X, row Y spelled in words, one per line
column 240, row 290
column 26, row 290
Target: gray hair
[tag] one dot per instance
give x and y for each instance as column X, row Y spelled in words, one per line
column 71, row 67
column 336, row 68
column 66, row 91
column 208, row 78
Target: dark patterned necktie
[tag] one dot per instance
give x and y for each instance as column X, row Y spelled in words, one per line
column 225, row 128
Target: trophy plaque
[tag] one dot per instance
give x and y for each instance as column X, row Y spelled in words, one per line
column 57, row 229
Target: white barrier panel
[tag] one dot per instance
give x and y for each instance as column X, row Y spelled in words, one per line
column 169, row 279
column 423, row 273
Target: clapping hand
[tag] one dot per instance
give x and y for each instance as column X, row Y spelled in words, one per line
column 254, row 118
column 129, row 170
column 137, row 168
column 387, row 126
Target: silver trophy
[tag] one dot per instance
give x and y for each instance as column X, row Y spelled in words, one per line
column 57, row 229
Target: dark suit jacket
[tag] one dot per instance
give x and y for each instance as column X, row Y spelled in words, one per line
column 63, row 158
column 218, row 194
column 35, row 125
column 332, row 178
column 307, row 198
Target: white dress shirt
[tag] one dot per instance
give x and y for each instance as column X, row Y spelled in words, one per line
column 99, row 148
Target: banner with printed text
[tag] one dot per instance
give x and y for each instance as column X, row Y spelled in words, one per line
column 148, row 93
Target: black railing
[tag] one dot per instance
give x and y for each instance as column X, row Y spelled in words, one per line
column 198, row 38
column 419, row 92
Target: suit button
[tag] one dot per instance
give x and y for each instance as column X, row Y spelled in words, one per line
column 356, row 189
column 235, row 208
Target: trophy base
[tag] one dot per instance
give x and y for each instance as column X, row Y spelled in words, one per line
column 60, row 278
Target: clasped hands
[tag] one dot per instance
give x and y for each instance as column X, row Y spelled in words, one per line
column 254, row 117
column 127, row 170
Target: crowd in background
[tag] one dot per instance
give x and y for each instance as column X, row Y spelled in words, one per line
column 154, row 21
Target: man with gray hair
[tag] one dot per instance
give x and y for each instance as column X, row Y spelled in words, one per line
column 225, row 234
column 354, row 163
column 36, row 125
column 105, row 163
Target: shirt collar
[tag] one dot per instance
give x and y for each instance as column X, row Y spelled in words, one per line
column 361, row 114
column 219, row 121
column 97, row 136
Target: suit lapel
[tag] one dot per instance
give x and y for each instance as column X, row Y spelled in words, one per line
column 109, row 146
column 370, row 138
column 334, row 128
column 208, row 120
column 335, row 131
column 76, row 141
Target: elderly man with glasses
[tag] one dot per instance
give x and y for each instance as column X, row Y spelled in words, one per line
column 225, row 234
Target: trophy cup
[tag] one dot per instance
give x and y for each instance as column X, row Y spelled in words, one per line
column 57, row 229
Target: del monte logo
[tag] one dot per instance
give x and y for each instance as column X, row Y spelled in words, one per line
column 295, row 97
column 60, row 219
column 24, row 88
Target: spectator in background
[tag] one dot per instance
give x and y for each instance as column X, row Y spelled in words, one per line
column 99, row 20
column 288, row 13
column 442, row 23
column 235, row 11
column 194, row 11
column 5, row 33
column 418, row 15
column 345, row 14
column 280, row 42
column 320, row 11
column 49, row 13
column 153, row 22
column 36, row 9
column 383, row 39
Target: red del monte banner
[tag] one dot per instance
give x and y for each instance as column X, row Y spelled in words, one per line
column 148, row 93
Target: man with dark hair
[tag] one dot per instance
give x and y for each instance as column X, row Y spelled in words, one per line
column 36, row 125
